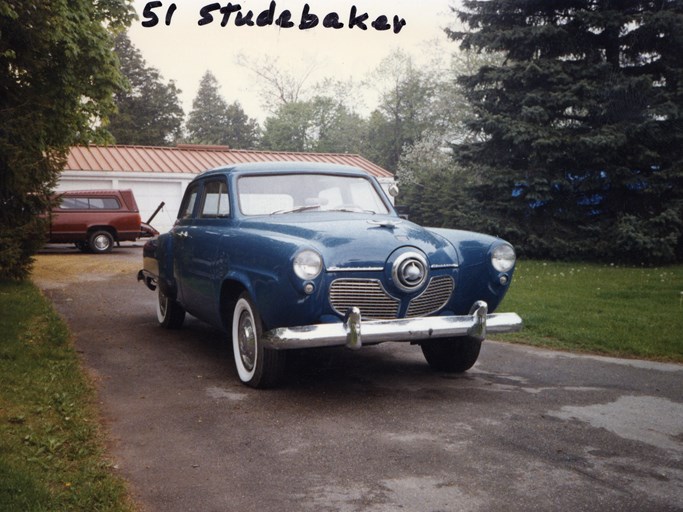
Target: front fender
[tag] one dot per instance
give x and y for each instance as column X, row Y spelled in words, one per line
column 270, row 292
column 261, row 263
column 478, row 279
column 472, row 248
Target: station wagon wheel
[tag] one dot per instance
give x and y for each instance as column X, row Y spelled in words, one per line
column 453, row 355
column 101, row 241
column 257, row 366
column 170, row 314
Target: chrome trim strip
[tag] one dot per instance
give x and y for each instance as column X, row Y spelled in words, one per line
column 354, row 269
column 379, row 269
column 354, row 333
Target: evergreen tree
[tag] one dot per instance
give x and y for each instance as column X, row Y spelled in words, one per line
column 581, row 127
column 206, row 123
column 213, row 121
column 242, row 132
column 148, row 110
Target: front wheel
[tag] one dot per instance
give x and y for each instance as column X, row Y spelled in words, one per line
column 257, row 366
column 453, row 355
column 170, row 314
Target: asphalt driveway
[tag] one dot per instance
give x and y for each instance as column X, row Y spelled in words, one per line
column 367, row 431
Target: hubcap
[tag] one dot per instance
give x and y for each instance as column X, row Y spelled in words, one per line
column 101, row 242
column 247, row 340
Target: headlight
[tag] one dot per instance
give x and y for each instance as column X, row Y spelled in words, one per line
column 503, row 258
column 308, row 264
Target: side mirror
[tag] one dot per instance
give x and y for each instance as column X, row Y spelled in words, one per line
column 393, row 190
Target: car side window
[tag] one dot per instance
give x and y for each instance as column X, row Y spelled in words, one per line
column 187, row 207
column 89, row 203
column 215, row 203
column 104, row 203
column 74, row 203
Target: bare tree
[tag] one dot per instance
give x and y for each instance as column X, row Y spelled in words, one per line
column 278, row 85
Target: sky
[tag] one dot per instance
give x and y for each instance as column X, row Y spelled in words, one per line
column 183, row 50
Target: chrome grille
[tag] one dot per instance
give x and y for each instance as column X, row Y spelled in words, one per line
column 434, row 297
column 367, row 294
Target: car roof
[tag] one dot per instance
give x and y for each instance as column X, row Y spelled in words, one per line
column 99, row 192
column 286, row 167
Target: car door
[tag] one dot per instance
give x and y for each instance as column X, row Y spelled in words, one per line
column 199, row 267
column 68, row 220
column 180, row 232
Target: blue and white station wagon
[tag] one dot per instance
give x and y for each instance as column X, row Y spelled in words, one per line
column 295, row 255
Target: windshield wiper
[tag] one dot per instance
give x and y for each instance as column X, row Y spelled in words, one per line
column 297, row 209
column 352, row 210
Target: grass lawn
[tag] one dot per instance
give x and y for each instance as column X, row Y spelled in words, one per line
column 51, row 450
column 603, row 309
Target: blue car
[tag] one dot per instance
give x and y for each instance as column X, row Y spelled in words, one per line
column 287, row 256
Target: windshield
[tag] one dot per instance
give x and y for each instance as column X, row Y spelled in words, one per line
column 290, row 193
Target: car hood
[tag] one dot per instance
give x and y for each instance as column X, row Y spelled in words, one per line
column 352, row 241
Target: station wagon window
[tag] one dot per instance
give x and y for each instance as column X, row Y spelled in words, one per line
column 216, row 203
column 290, row 193
column 90, row 203
column 187, row 207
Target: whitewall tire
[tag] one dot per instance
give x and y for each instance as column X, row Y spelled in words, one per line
column 256, row 366
column 170, row 314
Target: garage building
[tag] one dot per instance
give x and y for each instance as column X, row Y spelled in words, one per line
column 161, row 174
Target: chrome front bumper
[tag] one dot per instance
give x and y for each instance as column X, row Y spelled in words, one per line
column 353, row 333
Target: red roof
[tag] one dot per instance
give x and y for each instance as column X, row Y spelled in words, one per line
column 189, row 158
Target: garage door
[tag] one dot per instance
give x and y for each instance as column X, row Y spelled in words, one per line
column 149, row 194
